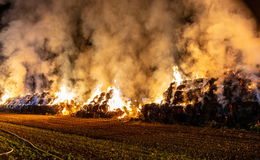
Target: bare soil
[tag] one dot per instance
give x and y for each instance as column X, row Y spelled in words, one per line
column 136, row 140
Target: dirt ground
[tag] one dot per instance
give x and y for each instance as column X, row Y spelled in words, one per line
column 137, row 140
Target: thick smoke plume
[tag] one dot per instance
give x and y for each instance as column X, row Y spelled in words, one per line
column 131, row 44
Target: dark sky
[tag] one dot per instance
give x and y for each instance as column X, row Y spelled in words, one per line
column 254, row 6
column 3, row 8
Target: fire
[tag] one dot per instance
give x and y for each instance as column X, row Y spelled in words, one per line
column 63, row 96
column 112, row 99
column 158, row 100
column 96, row 93
column 252, row 85
column 123, row 116
column 177, row 75
column 65, row 111
column 198, row 75
column 116, row 101
column 5, row 97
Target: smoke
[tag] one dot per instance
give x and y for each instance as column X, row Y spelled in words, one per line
column 224, row 36
column 131, row 44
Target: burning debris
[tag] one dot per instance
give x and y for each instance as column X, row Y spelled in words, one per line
column 240, row 102
column 107, row 105
column 101, row 106
column 69, row 47
column 183, row 102
column 231, row 101
column 189, row 101
column 197, row 102
column 36, row 104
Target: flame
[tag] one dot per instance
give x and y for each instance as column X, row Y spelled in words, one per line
column 123, row 116
column 198, row 75
column 158, row 100
column 96, row 93
column 65, row 111
column 252, row 85
column 63, row 96
column 5, row 97
column 116, row 101
column 176, row 75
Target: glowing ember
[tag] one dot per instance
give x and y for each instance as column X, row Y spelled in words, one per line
column 176, row 75
column 252, row 85
column 123, row 116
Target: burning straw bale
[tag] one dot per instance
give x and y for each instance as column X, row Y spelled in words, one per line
column 99, row 107
column 240, row 103
column 196, row 102
column 93, row 112
column 31, row 109
column 34, row 104
column 232, row 101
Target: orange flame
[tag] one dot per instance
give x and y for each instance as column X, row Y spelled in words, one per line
column 177, row 75
column 63, row 96
column 97, row 92
column 116, row 102
column 5, row 97
column 65, row 111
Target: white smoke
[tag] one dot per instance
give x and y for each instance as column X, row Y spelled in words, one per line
column 130, row 44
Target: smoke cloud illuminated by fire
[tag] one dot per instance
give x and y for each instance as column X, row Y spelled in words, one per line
column 69, row 48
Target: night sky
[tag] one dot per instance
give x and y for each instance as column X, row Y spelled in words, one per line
column 254, row 5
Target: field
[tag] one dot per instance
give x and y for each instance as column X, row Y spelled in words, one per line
column 76, row 138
